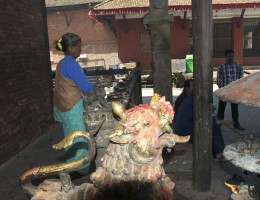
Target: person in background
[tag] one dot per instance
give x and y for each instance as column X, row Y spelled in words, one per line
column 70, row 84
column 228, row 72
column 218, row 143
column 183, row 126
column 187, row 91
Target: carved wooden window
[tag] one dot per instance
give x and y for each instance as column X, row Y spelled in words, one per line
column 221, row 37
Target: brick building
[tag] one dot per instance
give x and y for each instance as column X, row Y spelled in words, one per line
column 25, row 75
column 236, row 25
column 99, row 42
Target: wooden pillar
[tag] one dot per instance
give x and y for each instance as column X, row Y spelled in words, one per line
column 238, row 38
column 136, row 95
column 202, row 96
column 159, row 21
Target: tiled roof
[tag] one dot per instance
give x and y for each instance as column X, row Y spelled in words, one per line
column 54, row 3
column 124, row 4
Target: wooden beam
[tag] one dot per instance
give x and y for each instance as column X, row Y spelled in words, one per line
column 136, row 95
column 202, row 93
column 241, row 17
column 125, row 27
column 67, row 19
column 183, row 25
column 110, row 22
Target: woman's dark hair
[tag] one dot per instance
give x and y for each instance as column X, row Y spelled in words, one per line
column 67, row 40
column 187, row 83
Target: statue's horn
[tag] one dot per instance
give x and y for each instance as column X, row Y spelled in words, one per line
column 119, row 109
column 42, row 171
column 180, row 139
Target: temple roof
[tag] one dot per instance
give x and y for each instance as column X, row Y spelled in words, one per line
column 54, row 3
column 243, row 91
column 132, row 6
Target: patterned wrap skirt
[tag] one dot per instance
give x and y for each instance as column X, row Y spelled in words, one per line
column 73, row 120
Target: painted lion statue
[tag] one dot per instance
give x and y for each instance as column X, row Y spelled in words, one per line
column 131, row 167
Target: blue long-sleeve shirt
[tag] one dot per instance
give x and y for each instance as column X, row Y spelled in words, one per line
column 72, row 70
column 184, row 121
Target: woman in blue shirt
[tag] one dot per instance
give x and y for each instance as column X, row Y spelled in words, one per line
column 70, row 84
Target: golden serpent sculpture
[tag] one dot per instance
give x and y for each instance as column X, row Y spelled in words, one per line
column 41, row 171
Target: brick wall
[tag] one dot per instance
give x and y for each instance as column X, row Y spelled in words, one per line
column 25, row 75
column 237, row 39
column 129, row 41
column 98, row 42
column 180, row 38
